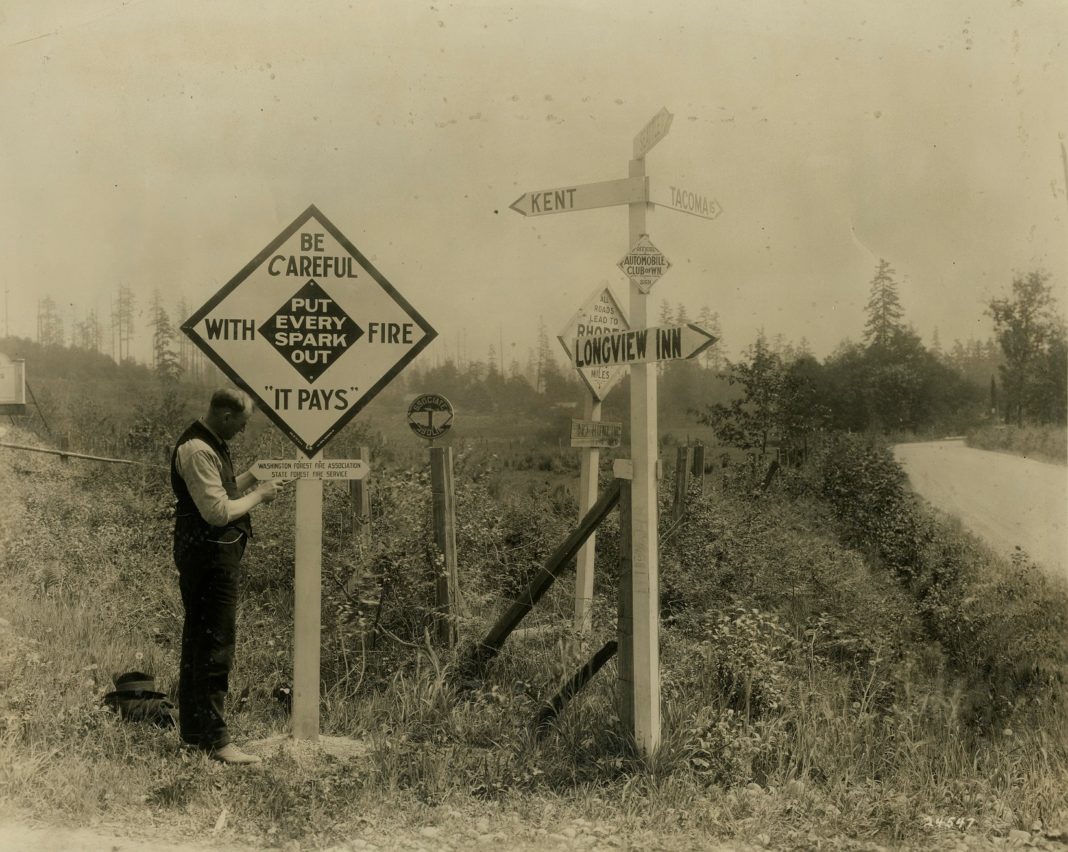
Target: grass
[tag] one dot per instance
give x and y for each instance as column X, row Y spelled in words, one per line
column 807, row 700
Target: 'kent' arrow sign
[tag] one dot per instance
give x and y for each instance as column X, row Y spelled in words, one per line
column 585, row 196
column 642, row 346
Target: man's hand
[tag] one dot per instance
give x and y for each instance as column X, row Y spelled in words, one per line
column 267, row 490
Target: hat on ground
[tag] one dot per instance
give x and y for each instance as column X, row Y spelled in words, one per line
column 134, row 685
column 136, row 700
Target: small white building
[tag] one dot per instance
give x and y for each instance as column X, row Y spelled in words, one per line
column 12, row 385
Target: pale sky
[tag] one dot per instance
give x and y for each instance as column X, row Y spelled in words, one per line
column 163, row 144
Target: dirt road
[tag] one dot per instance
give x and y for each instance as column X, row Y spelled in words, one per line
column 1007, row 500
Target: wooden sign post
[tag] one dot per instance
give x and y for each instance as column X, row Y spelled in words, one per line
column 430, row 416
column 644, row 592
column 640, row 347
column 285, row 330
column 307, row 606
column 601, row 313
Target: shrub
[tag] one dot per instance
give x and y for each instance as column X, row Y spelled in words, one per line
column 1003, row 626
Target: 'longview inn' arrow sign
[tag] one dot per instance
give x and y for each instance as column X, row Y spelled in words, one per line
column 642, row 345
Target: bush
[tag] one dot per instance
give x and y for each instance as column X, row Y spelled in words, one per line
column 1045, row 443
column 1003, row 627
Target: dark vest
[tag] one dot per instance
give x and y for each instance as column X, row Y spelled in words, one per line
column 187, row 515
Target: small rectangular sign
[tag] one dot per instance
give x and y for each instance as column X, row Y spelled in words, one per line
column 596, row 433
column 310, row 469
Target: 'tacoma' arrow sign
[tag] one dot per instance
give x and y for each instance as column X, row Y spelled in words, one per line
column 684, row 199
column 642, row 346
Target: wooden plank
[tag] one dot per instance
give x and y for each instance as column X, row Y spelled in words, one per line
column 578, row 680
column 489, row 647
column 624, row 615
column 444, row 508
column 78, row 455
column 307, row 603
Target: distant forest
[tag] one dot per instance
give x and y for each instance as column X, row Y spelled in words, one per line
column 775, row 393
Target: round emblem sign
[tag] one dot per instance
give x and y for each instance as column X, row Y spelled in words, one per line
column 430, row 415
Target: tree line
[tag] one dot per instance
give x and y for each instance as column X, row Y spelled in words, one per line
column 892, row 383
column 776, row 393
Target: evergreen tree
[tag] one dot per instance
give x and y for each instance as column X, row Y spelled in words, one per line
column 884, row 308
column 49, row 323
column 122, row 324
column 165, row 361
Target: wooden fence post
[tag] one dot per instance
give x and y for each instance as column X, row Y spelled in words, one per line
column 360, row 504
column 682, row 483
column 448, row 591
column 699, row 467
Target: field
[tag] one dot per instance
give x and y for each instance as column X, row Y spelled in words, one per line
column 840, row 669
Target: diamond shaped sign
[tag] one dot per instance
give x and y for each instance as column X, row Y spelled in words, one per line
column 327, row 328
column 600, row 315
column 644, row 264
column 311, row 330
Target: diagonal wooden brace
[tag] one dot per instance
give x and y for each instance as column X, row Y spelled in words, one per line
column 479, row 655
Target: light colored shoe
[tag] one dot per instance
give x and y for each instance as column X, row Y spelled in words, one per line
column 230, row 753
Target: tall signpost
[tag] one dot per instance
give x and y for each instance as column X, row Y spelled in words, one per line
column 601, row 313
column 644, row 264
column 640, row 636
column 312, row 332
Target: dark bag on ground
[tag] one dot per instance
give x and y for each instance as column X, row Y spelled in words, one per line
column 136, row 700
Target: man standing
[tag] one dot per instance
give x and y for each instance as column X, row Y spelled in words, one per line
column 211, row 529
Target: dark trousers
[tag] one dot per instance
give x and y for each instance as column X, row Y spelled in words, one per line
column 208, row 575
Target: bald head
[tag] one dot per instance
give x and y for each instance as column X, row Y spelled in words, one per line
column 228, row 412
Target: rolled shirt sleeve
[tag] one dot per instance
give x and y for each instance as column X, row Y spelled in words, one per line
column 199, row 467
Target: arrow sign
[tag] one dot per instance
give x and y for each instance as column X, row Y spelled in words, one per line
column 585, row 196
column 642, row 346
column 685, row 199
column 653, row 132
column 310, row 469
